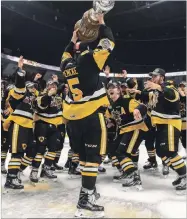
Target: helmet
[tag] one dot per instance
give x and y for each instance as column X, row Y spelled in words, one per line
column 29, row 84
column 51, row 81
column 10, row 86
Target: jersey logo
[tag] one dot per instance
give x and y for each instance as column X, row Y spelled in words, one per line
column 153, row 99
column 106, row 44
column 24, row 146
column 41, row 139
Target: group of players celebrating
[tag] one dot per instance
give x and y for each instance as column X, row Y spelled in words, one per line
column 100, row 119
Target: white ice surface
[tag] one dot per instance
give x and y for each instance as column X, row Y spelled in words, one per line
column 58, row 199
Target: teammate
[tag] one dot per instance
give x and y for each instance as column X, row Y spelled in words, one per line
column 83, row 109
column 128, row 115
column 149, row 136
column 48, row 116
column 183, row 93
column 6, row 110
column 20, row 126
column 166, row 116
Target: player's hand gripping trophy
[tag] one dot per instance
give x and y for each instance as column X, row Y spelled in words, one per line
column 88, row 26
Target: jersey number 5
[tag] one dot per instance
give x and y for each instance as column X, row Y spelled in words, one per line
column 77, row 93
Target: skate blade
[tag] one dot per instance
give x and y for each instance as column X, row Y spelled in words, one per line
column 82, row 213
column 46, row 180
column 151, row 170
column 182, row 192
column 59, row 171
column 12, row 191
column 132, row 188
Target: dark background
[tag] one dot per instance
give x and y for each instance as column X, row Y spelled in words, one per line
column 148, row 34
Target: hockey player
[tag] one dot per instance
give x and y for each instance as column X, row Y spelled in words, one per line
column 149, row 136
column 48, row 116
column 82, row 109
column 183, row 93
column 166, row 116
column 128, row 114
column 6, row 110
column 20, row 126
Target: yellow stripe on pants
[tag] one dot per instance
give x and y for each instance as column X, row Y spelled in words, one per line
column 133, row 141
column 15, row 138
column 103, row 134
column 171, row 138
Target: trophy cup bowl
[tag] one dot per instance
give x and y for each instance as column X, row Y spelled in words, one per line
column 89, row 25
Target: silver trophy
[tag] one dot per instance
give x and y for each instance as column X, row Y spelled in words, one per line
column 88, row 25
column 103, row 6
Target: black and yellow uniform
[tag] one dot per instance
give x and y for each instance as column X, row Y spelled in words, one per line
column 4, row 134
column 48, row 116
column 19, row 123
column 86, row 97
column 130, row 130
column 150, row 135
column 61, row 131
column 183, row 116
column 166, row 117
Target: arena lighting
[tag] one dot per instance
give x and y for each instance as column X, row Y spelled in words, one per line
column 54, row 68
column 147, row 4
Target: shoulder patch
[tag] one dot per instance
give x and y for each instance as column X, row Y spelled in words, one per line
column 106, row 44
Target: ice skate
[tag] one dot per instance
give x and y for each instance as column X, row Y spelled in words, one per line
column 19, row 176
column 122, row 177
column 73, row 172
column 86, row 207
column 165, row 170
column 34, row 176
column 3, row 169
column 180, row 185
column 134, row 181
column 118, row 176
column 151, row 166
column 57, row 167
column 48, row 173
column 12, row 184
column 107, row 160
column 101, row 169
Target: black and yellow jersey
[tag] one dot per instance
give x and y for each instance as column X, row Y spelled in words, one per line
column 122, row 112
column 20, row 101
column 6, row 105
column 49, row 109
column 5, row 95
column 144, row 98
column 183, row 111
column 165, row 106
column 87, row 93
